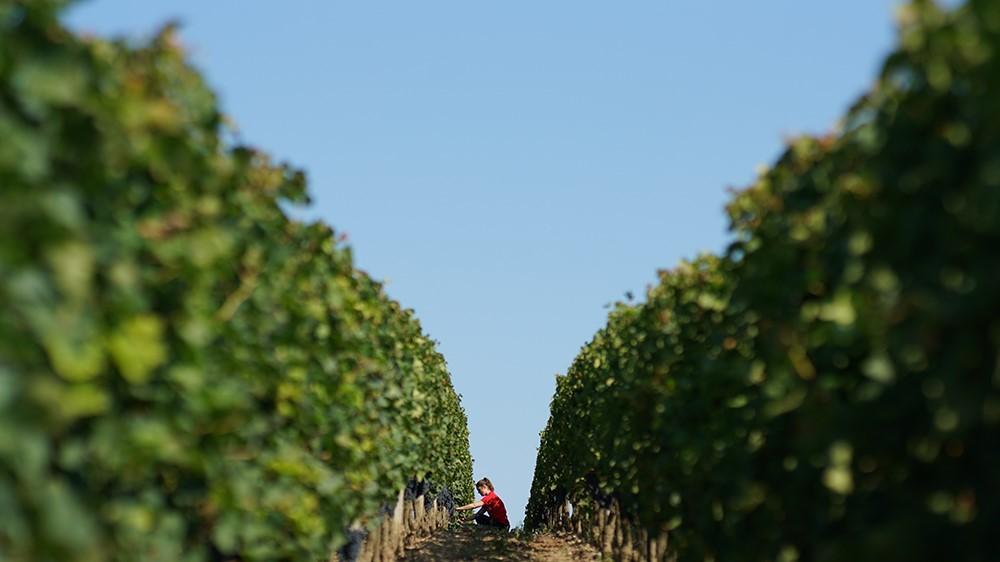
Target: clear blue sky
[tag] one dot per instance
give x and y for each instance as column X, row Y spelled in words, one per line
column 512, row 167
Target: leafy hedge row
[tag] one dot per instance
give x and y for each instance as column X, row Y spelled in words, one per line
column 829, row 389
column 185, row 372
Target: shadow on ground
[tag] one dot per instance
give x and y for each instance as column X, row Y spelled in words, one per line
column 464, row 542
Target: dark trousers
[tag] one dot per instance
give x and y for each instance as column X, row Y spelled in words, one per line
column 487, row 521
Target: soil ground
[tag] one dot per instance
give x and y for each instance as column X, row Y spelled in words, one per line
column 467, row 542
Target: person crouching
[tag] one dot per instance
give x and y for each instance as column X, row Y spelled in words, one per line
column 493, row 512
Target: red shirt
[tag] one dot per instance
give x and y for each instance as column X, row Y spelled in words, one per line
column 494, row 506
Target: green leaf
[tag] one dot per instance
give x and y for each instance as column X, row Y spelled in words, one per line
column 137, row 347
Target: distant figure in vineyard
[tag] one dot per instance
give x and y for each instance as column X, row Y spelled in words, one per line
column 493, row 512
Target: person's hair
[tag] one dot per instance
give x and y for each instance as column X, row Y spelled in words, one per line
column 485, row 482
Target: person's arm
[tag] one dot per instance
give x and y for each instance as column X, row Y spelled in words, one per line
column 472, row 505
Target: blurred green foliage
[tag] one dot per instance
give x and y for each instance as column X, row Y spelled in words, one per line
column 829, row 389
column 185, row 372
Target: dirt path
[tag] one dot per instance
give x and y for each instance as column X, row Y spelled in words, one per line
column 469, row 543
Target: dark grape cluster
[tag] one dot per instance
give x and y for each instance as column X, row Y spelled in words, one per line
column 446, row 500
column 416, row 488
column 352, row 547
